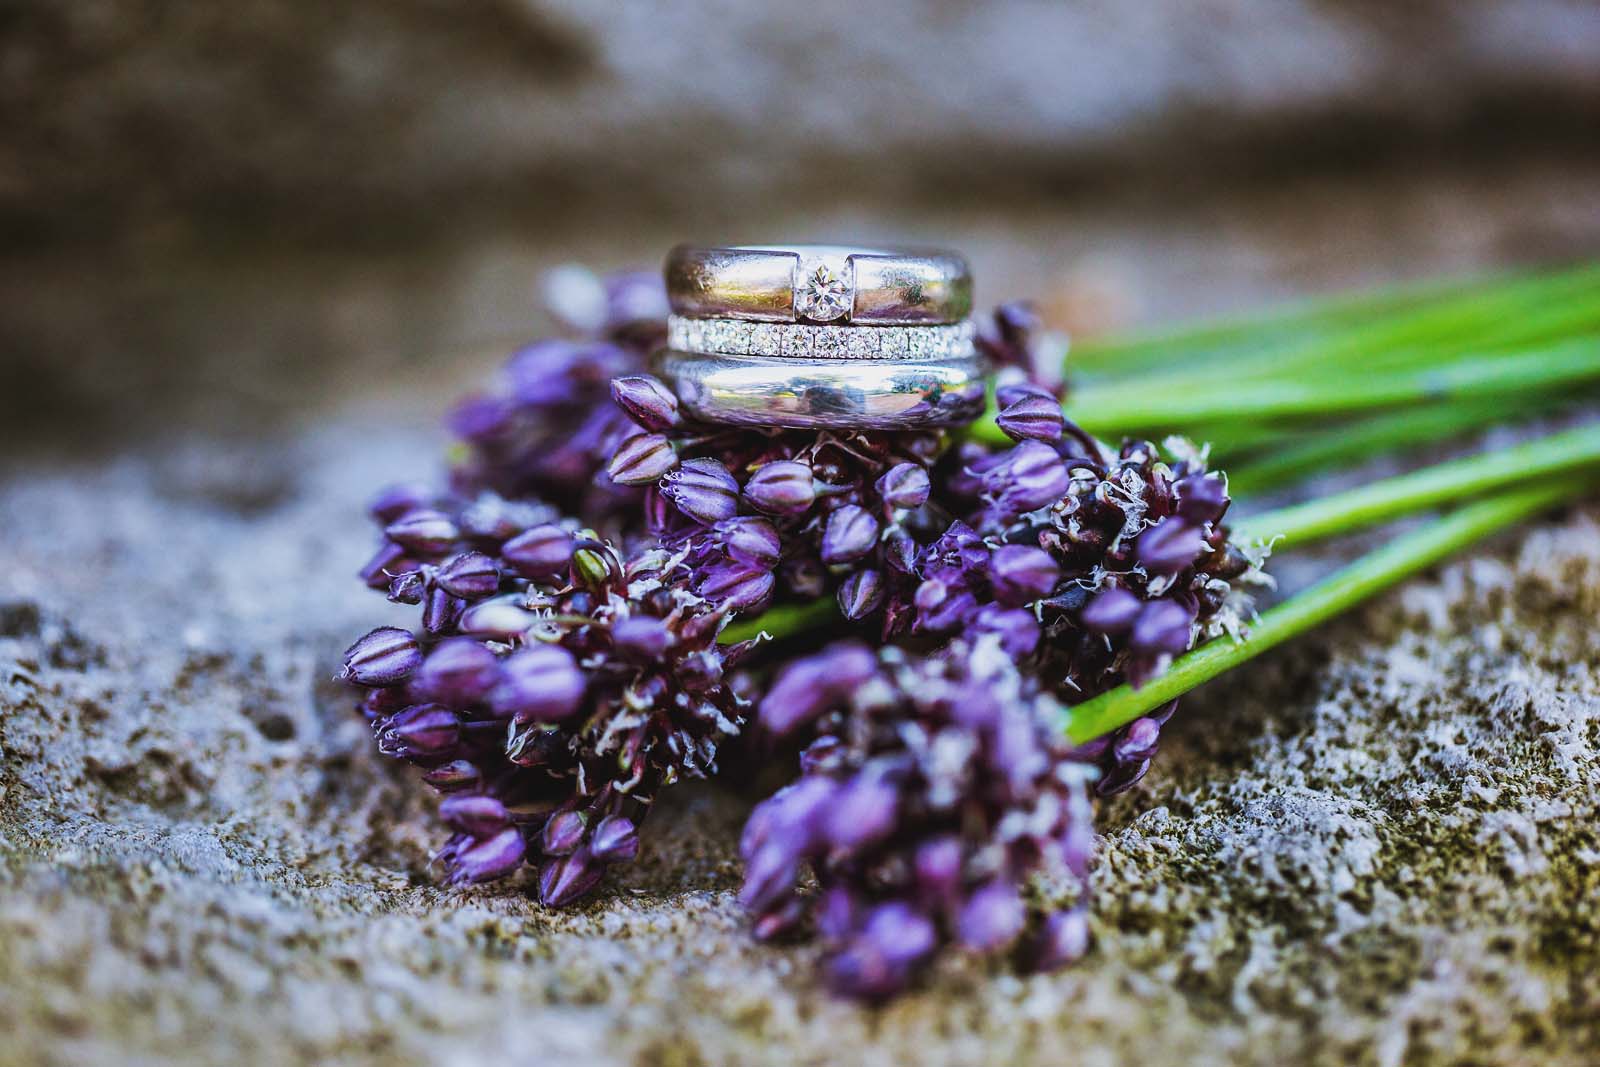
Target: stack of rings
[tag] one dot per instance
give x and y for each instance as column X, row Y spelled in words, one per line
column 822, row 335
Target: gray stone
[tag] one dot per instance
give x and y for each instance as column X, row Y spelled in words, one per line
column 1376, row 846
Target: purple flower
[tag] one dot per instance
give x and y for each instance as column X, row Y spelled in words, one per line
column 1112, row 611
column 851, row 533
column 1032, row 417
column 860, row 595
column 751, row 541
column 1030, row 476
column 423, row 530
column 703, row 490
column 538, row 684
column 647, row 401
column 421, row 730
column 905, row 485
column 459, row 672
column 472, row 861
column 385, row 656
column 541, row 552
column 784, row 487
column 1022, row 574
column 1170, row 545
column 469, row 576
column 642, row 459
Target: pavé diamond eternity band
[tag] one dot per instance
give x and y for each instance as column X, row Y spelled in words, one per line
column 735, row 337
column 819, row 284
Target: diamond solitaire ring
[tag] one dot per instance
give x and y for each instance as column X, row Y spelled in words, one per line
column 819, row 284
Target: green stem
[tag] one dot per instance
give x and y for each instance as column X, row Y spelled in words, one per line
column 786, row 620
column 1380, row 501
column 1112, row 410
column 1335, row 595
column 1295, row 454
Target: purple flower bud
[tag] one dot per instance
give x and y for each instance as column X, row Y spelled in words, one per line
column 479, row 419
column 385, row 656
column 1163, row 627
column 616, row 839
column 1063, row 938
column 1036, row 418
column 750, row 540
column 942, row 606
column 647, row 401
column 904, row 485
column 1170, row 545
column 938, row 870
column 1112, row 611
column 863, row 812
column 851, row 533
column 879, row 962
column 470, row 576
column 395, row 500
column 807, row 687
column 422, row 730
column 1010, row 393
column 1022, row 574
column 407, row 588
column 769, row 875
column 423, row 530
column 566, row 879
column 500, row 618
column 484, row 861
column 563, row 832
column 460, row 672
column 642, row 459
column 1017, row 629
column 539, row 684
column 703, row 490
column 1031, row 476
column 441, row 611
column 900, row 551
column 1137, row 741
column 735, row 585
column 389, row 561
column 541, row 552
column 860, row 595
column 640, row 638
column 476, row 815
column 837, row 915
column 783, row 487
column 991, row 918
column 454, row 777
column 1202, row 498
column 805, row 576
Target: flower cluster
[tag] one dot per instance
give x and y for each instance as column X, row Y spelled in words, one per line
column 935, row 788
column 574, row 577
column 551, row 698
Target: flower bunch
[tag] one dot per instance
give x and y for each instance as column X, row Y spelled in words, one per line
column 934, row 788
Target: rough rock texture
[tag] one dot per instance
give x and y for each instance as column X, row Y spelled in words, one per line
column 1388, row 854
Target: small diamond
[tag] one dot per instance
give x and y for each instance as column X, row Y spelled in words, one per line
column 821, row 293
column 766, row 340
column 861, row 342
column 831, row 341
column 694, row 339
column 918, row 344
column 738, row 341
column 677, row 333
column 799, row 341
column 896, row 345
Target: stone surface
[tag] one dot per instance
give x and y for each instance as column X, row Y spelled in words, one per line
column 1377, row 846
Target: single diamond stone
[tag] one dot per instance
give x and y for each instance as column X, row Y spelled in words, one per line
column 831, row 342
column 694, row 339
column 766, row 339
column 896, row 345
column 919, row 344
column 799, row 341
column 677, row 333
column 738, row 339
column 862, row 342
column 821, row 293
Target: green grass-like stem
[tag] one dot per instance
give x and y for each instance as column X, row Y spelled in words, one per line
column 1368, row 576
column 1443, row 483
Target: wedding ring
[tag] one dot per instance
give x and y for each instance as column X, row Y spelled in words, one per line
column 819, row 284
column 864, row 394
column 796, row 340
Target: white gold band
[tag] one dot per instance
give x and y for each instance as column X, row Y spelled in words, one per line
column 736, row 337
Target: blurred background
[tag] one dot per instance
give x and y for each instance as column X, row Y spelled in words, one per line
column 226, row 218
